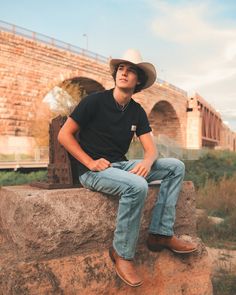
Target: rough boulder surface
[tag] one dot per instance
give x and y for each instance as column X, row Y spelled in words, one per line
column 56, row 242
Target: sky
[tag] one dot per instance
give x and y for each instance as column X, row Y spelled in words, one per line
column 192, row 44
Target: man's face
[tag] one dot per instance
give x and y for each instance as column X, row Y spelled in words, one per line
column 126, row 76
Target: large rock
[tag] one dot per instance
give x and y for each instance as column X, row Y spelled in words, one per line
column 52, row 223
column 56, row 241
column 93, row 274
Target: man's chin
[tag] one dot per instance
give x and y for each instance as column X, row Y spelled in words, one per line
column 126, row 89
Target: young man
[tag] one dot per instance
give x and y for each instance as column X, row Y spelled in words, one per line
column 106, row 122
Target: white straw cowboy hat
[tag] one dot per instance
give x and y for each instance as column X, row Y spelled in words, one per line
column 133, row 56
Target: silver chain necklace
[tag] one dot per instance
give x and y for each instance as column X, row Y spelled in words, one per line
column 120, row 107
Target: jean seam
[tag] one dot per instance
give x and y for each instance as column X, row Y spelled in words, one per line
column 128, row 226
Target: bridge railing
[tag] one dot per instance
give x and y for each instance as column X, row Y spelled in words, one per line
column 40, row 157
column 169, row 85
column 14, row 157
column 69, row 47
column 51, row 41
column 167, row 148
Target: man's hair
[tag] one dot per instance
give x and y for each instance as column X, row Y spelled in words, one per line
column 142, row 78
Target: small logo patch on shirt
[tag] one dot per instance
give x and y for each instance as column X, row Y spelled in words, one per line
column 133, row 127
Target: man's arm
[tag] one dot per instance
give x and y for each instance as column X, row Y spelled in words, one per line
column 150, row 155
column 66, row 137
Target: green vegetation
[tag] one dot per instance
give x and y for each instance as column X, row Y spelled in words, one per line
column 213, row 166
column 214, row 176
column 224, row 283
column 17, row 178
column 218, row 199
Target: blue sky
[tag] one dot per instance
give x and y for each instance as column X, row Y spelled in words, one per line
column 191, row 43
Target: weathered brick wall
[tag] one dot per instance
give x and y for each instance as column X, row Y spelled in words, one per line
column 28, row 71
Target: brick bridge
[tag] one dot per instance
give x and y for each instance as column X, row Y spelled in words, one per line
column 33, row 64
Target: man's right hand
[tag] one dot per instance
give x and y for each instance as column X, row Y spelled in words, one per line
column 99, row 165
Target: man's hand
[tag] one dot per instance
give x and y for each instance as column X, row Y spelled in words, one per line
column 142, row 168
column 99, row 165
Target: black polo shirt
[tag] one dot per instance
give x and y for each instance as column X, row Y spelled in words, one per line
column 105, row 130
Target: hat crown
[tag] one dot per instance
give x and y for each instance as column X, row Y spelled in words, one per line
column 133, row 56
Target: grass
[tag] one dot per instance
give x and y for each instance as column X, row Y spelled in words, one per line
column 218, row 199
column 224, row 283
column 17, row 178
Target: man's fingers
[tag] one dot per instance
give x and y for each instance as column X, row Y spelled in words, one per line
column 104, row 163
column 100, row 164
column 139, row 170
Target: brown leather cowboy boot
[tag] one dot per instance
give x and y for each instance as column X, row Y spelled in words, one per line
column 157, row 242
column 125, row 269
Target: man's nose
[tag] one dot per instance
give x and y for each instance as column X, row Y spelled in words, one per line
column 124, row 72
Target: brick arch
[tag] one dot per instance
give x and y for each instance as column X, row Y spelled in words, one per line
column 165, row 122
column 39, row 128
column 89, row 85
column 78, row 74
column 89, row 82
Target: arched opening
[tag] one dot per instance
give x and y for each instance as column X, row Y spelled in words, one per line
column 67, row 94
column 60, row 100
column 87, row 84
column 165, row 123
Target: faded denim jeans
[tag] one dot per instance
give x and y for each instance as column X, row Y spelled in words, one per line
column 132, row 192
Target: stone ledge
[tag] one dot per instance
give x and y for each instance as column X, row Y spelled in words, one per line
column 54, row 223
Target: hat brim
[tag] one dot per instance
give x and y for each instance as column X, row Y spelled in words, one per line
column 148, row 69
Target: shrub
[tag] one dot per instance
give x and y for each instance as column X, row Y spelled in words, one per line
column 16, row 178
column 218, row 199
column 213, row 166
column 224, row 283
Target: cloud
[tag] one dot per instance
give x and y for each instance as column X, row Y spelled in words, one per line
column 188, row 21
column 230, row 51
column 228, row 113
column 203, row 48
column 181, row 23
column 212, row 76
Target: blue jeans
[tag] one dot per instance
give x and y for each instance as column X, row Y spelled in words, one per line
column 132, row 192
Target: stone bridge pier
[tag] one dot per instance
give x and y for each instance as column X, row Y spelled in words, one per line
column 56, row 242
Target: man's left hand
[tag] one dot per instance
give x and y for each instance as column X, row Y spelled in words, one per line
column 142, row 168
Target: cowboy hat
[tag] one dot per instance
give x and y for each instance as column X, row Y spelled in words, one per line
column 133, row 56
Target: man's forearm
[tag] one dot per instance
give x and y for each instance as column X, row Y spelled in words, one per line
column 150, row 157
column 73, row 147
